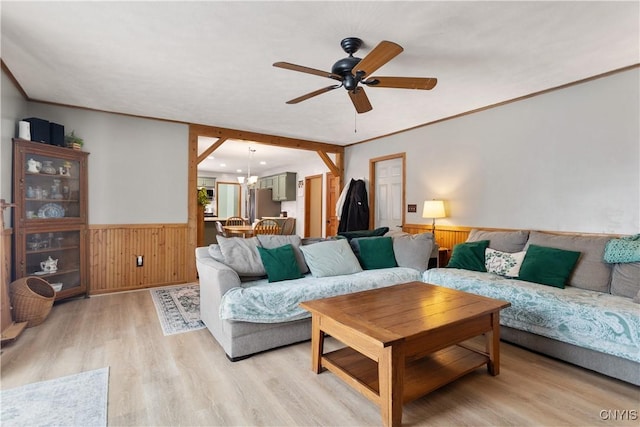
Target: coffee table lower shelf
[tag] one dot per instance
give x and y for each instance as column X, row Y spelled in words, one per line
column 421, row 376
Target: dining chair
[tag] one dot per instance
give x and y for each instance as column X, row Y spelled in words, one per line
column 220, row 229
column 289, row 226
column 266, row 226
column 236, row 220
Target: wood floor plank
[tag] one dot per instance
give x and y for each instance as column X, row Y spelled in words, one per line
column 186, row 379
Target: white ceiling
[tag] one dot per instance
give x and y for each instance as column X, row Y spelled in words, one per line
column 211, row 62
column 233, row 157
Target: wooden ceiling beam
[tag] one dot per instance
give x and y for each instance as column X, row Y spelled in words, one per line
column 279, row 141
column 327, row 161
column 211, row 149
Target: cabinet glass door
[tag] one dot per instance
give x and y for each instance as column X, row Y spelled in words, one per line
column 51, row 188
column 54, row 256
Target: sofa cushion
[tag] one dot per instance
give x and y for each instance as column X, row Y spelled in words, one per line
column 242, row 255
column 625, row 279
column 590, row 271
column 374, row 252
column 548, row 266
column 503, row 263
column 504, row 241
column 364, row 233
column 280, row 263
column 330, row 258
column 413, row 250
column 469, row 256
column 271, row 241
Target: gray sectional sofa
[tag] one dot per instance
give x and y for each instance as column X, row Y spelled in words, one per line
column 247, row 314
column 593, row 322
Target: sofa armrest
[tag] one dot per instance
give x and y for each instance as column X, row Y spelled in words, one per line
column 217, row 277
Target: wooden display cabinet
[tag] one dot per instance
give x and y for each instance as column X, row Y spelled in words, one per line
column 50, row 218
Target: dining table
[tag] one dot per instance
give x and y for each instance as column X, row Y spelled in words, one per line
column 245, row 230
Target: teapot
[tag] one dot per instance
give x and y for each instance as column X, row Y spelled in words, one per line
column 50, row 265
column 48, row 168
column 33, row 166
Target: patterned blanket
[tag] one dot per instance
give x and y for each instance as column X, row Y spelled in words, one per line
column 624, row 249
column 602, row 322
column 263, row 302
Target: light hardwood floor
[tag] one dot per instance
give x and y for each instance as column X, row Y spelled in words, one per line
column 186, row 379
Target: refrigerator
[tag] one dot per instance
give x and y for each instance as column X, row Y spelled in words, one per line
column 261, row 204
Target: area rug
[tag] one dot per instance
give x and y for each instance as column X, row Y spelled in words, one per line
column 74, row 400
column 178, row 308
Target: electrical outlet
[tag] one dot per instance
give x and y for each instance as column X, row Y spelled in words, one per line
column 139, row 260
column 412, row 208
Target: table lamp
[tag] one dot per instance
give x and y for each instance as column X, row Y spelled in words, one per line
column 433, row 209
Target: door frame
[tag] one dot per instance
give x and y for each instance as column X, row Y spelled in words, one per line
column 307, row 203
column 330, row 217
column 372, row 185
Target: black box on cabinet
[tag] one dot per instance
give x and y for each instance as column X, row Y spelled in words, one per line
column 39, row 129
column 56, row 132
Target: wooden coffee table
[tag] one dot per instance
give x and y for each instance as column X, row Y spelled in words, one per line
column 404, row 341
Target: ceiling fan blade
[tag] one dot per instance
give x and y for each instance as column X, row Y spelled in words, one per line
column 312, row 94
column 380, row 55
column 360, row 100
column 302, row 69
column 424, row 83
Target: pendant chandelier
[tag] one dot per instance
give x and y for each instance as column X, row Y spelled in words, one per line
column 250, row 179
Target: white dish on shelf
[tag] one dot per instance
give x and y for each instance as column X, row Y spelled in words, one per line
column 56, row 286
column 51, row 210
column 40, row 273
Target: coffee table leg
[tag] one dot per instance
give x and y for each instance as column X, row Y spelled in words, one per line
column 492, row 343
column 391, row 384
column 317, row 344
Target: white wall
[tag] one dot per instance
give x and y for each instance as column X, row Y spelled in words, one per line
column 138, row 168
column 14, row 109
column 567, row 160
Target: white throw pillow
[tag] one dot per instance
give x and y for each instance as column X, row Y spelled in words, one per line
column 216, row 253
column 503, row 263
column 242, row 255
column 330, row 258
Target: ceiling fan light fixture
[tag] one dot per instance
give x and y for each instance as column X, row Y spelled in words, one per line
column 352, row 71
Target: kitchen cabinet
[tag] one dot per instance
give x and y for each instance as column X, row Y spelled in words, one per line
column 204, row 181
column 50, row 219
column 283, row 186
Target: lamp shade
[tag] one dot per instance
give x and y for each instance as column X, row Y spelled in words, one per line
column 433, row 209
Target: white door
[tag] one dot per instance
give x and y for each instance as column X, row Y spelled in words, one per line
column 388, row 197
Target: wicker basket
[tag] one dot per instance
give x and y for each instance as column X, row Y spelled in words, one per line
column 32, row 299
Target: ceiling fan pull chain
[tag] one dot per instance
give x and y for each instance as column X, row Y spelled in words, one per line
column 355, row 122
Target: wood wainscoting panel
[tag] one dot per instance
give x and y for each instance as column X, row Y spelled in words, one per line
column 113, row 250
column 446, row 236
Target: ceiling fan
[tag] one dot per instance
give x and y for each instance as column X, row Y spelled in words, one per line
column 352, row 72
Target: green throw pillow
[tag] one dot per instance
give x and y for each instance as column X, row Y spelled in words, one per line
column 469, row 256
column 364, row 233
column 280, row 263
column 374, row 252
column 548, row 266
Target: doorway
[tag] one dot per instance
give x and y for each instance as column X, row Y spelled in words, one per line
column 388, row 191
column 333, row 193
column 313, row 206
